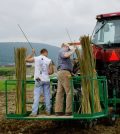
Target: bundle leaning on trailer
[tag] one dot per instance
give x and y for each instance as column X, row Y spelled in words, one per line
column 20, row 68
column 87, row 68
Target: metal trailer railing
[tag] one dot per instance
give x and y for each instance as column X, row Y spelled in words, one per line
column 76, row 112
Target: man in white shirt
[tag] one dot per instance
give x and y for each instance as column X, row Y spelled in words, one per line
column 42, row 81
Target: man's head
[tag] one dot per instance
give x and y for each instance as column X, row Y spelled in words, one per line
column 44, row 52
column 65, row 46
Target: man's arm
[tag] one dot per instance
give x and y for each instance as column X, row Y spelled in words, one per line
column 51, row 69
column 30, row 58
column 68, row 54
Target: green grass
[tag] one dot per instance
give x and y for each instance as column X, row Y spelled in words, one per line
column 8, row 74
column 2, row 86
column 13, row 87
column 7, row 71
column 7, row 68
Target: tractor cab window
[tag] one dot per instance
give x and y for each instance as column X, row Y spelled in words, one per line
column 107, row 32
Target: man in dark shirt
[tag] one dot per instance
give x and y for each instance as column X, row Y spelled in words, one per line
column 64, row 73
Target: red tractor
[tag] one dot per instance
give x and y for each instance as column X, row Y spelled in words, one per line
column 106, row 46
column 106, row 49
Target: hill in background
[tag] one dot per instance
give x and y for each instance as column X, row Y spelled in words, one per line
column 7, row 51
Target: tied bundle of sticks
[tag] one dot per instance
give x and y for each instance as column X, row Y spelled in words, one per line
column 90, row 89
column 20, row 68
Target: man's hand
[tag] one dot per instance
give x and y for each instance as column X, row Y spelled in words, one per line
column 73, row 48
column 38, row 79
column 68, row 54
column 50, row 69
column 33, row 51
column 30, row 58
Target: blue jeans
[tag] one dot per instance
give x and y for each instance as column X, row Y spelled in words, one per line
column 41, row 87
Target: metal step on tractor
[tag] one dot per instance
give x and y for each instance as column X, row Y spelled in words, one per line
column 106, row 49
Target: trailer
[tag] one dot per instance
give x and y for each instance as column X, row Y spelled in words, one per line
column 75, row 82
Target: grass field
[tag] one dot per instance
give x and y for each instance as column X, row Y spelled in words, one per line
column 12, row 87
column 3, row 68
column 8, row 73
column 2, row 86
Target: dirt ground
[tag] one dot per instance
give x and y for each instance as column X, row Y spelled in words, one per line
column 47, row 127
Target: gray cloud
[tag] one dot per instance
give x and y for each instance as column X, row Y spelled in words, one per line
column 46, row 20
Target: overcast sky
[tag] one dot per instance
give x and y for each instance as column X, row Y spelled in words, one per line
column 46, row 20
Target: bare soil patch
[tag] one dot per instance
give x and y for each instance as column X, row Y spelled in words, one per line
column 47, row 127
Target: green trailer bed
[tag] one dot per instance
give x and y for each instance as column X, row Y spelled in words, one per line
column 76, row 114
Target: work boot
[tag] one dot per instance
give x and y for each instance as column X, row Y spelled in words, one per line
column 68, row 114
column 47, row 113
column 33, row 115
column 59, row 113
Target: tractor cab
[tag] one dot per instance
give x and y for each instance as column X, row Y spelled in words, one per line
column 107, row 31
column 106, row 38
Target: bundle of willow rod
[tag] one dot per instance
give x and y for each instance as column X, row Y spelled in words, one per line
column 20, row 68
column 87, row 68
